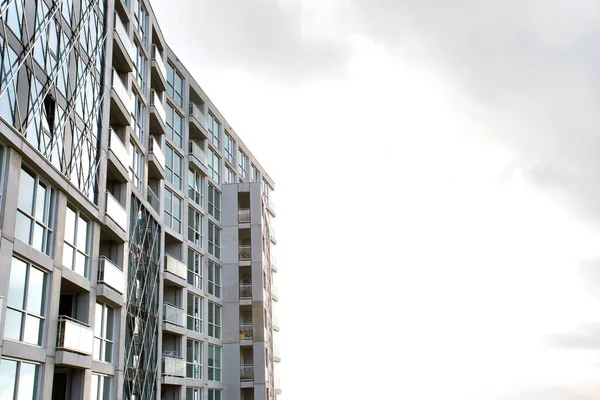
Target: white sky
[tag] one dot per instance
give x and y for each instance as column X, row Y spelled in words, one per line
column 435, row 171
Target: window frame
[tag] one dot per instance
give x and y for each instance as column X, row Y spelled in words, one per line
column 213, row 158
column 214, row 371
column 172, row 133
column 75, row 249
column 243, row 164
column 195, row 361
column 214, row 202
column 106, row 336
column 229, row 148
column 170, row 174
column 169, row 212
column 172, row 73
column 214, row 125
column 136, row 166
column 215, row 320
column 214, row 240
column 214, row 279
column 194, row 320
column 195, row 182
column 17, row 376
column 195, row 227
column 195, row 278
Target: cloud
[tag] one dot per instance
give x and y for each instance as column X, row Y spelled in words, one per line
column 585, row 392
column 585, row 337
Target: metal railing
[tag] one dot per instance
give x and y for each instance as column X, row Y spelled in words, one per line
column 246, row 330
column 245, row 253
column 197, row 152
column 244, row 216
column 172, row 364
column 116, row 211
column 157, row 151
column 110, row 274
column 74, row 336
column 245, row 291
column 153, row 199
column 175, row 266
column 247, row 372
column 173, row 314
column 156, row 56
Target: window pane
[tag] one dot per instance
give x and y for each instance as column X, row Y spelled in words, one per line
column 40, row 203
column 82, row 230
column 26, row 185
column 70, row 226
column 8, row 377
column 27, row 381
column 22, row 227
column 68, row 256
column 32, row 330
column 35, row 292
column 16, row 289
column 12, row 324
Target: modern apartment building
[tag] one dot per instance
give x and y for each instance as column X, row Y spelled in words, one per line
column 136, row 228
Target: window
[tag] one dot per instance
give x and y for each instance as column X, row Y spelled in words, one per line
column 14, row 17
column 243, row 165
column 10, row 62
column 136, row 168
column 214, row 130
column 175, row 84
column 140, row 21
column 229, row 149
column 141, row 67
column 214, row 279
column 194, row 269
column 229, row 176
column 215, row 394
column 214, row 320
column 139, row 114
column 194, row 226
column 100, row 389
column 195, row 187
column 214, row 202
column 76, row 251
column 25, row 312
column 214, row 363
column 174, row 125
column 172, row 211
column 18, row 379
column 194, row 311
column 174, row 170
column 214, row 166
column 193, row 394
column 214, row 240
column 103, row 333
column 35, row 213
column 254, row 174
column 194, row 359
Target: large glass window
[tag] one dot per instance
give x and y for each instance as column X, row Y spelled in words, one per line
column 103, row 333
column 139, row 114
column 243, row 165
column 194, row 313
column 214, row 362
column 215, row 394
column 229, row 149
column 214, row 320
column 136, row 167
column 194, row 359
column 254, row 174
column 193, row 394
column 174, row 84
column 174, row 164
column 195, row 187
column 172, row 211
column 214, row 279
column 25, row 312
column 141, row 67
column 14, row 17
column 214, row 166
column 214, row 240
column 8, row 100
column 230, row 176
column 195, row 274
column 174, row 125
column 194, row 226
column 214, row 202
column 214, row 129
column 35, row 216
column 76, row 251
column 100, row 389
column 18, row 380
column 140, row 21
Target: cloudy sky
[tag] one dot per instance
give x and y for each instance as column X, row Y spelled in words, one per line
column 438, row 187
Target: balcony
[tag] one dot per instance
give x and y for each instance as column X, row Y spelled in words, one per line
column 153, row 200
column 247, row 372
column 274, row 294
column 277, row 386
column 158, row 116
column 275, row 323
column 276, row 356
column 111, row 275
column 117, row 147
column 245, row 291
column 156, row 160
column 159, row 71
column 124, row 53
column 177, row 268
column 245, row 253
column 116, row 212
column 273, row 263
column 173, row 314
column 74, row 336
column 246, row 330
column 244, row 216
column 198, row 123
column 122, row 101
column 198, row 156
column 173, row 365
column 270, row 204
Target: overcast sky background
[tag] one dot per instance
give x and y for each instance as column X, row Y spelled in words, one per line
column 438, row 187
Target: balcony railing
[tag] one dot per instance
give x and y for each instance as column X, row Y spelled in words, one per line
column 246, row 330
column 172, row 364
column 277, row 386
column 197, row 152
column 274, row 294
column 275, row 323
column 245, row 291
column 153, row 200
column 118, row 148
column 173, row 314
column 74, row 336
column 196, row 114
column 156, row 56
column 122, row 92
column 273, row 261
column 116, row 211
column 245, row 253
column 175, row 266
column 157, row 101
column 111, row 275
column 158, row 153
column 276, row 356
column 124, row 36
column 247, row 372
column 244, row 216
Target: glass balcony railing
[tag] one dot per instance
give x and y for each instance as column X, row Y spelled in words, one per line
column 153, row 200
column 245, row 253
column 118, row 148
column 197, row 115
column 244, row 216
column 124, row 36
column 245, row 291
column 111, row 275
column 159, row 61
column 246, row 330
column 247, row 372
column 116, row 211
column 175, row 266
column 158, row 153
column 173, row 364
column 74, row 336
column 122, row 92
column 197, row 152
column 275, row 323
column 173, row 314
column 158, row 102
